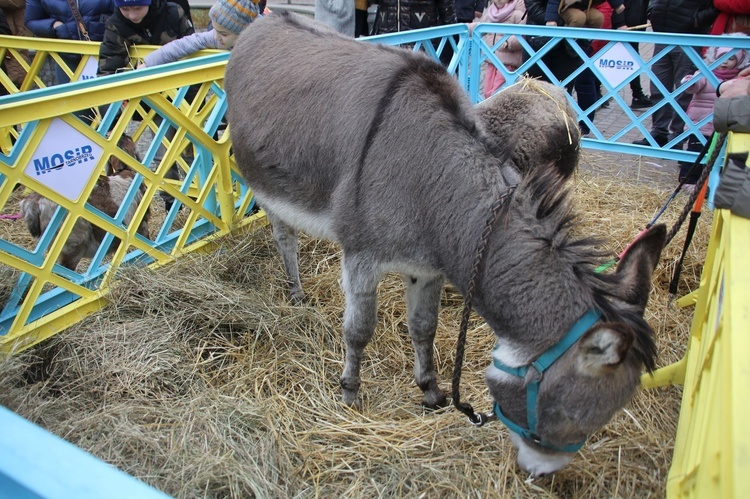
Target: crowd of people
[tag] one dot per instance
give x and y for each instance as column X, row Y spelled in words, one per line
column 121, row 24
column 671, row 70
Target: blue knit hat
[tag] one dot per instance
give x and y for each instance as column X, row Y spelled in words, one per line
column 234, row 15
column 131, row 3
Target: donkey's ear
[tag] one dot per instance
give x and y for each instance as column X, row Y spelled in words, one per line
column 637, row 265
column 603, row 348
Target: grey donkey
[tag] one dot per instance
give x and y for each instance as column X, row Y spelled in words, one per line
column 378, row 149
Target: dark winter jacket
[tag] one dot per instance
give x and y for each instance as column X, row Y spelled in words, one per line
column 42, row 14
column 405, row 15
column 535, row 12
column 682, row 16
column 465, row 9
column 636, row 14
column 4, row 27
column 164, row 22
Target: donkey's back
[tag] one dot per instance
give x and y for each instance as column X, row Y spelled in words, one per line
column 322, row 124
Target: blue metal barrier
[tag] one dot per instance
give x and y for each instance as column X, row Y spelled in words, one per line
column 36, row 464
column 615, row 65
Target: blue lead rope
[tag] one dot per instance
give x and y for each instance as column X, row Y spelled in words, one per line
column 541, row 364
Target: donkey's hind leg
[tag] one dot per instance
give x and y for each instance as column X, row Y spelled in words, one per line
column 360, row 281
column 422, row 305
column 285, row 237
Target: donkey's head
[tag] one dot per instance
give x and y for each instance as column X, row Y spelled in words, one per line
column 571, row 351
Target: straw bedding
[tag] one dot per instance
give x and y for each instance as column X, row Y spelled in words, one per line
column 201, row 380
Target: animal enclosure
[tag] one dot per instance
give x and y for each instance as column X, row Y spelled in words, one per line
column 641, row 435
column 237, row 393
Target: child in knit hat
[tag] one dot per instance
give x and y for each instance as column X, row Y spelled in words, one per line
column 702, row 103
column 228, row 18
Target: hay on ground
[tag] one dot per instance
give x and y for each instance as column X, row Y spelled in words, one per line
column 201, row 380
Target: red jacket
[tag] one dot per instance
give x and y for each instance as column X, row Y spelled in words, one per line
column 734, row 16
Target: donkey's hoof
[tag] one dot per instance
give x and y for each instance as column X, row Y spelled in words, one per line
column 434, row 402
column 351, row 399
column 298, row 297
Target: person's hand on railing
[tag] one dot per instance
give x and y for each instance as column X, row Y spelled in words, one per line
column 735, row 87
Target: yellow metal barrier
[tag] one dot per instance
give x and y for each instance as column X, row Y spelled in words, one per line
column 39, row 57
column 712, row 451
column 50, row 151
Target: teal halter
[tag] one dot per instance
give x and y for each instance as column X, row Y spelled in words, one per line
column 541, row 364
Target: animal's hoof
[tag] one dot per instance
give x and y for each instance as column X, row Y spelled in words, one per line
column 298, row 298
column 435, row 402
column 350, row 391
column 351, row 399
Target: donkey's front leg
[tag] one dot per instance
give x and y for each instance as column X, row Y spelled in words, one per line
column 285, row 237
column 422, row 305
column 360, row 281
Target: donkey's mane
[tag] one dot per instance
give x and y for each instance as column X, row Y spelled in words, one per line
column 546, row 192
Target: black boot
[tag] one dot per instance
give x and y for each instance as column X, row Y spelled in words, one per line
column 640, row 100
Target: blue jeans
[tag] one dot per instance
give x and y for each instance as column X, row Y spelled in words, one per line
column 585, row 85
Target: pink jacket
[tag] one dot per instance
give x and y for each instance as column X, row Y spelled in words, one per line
column 512, row 13
column 704, row 96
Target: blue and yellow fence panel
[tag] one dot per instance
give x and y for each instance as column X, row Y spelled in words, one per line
column 179, row 107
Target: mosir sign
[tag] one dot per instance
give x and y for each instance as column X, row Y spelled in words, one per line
column 64, row 160
column 616, row 64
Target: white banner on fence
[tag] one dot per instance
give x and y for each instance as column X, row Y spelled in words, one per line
column 64, row 160
column 616, row 64
column 89, row 70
